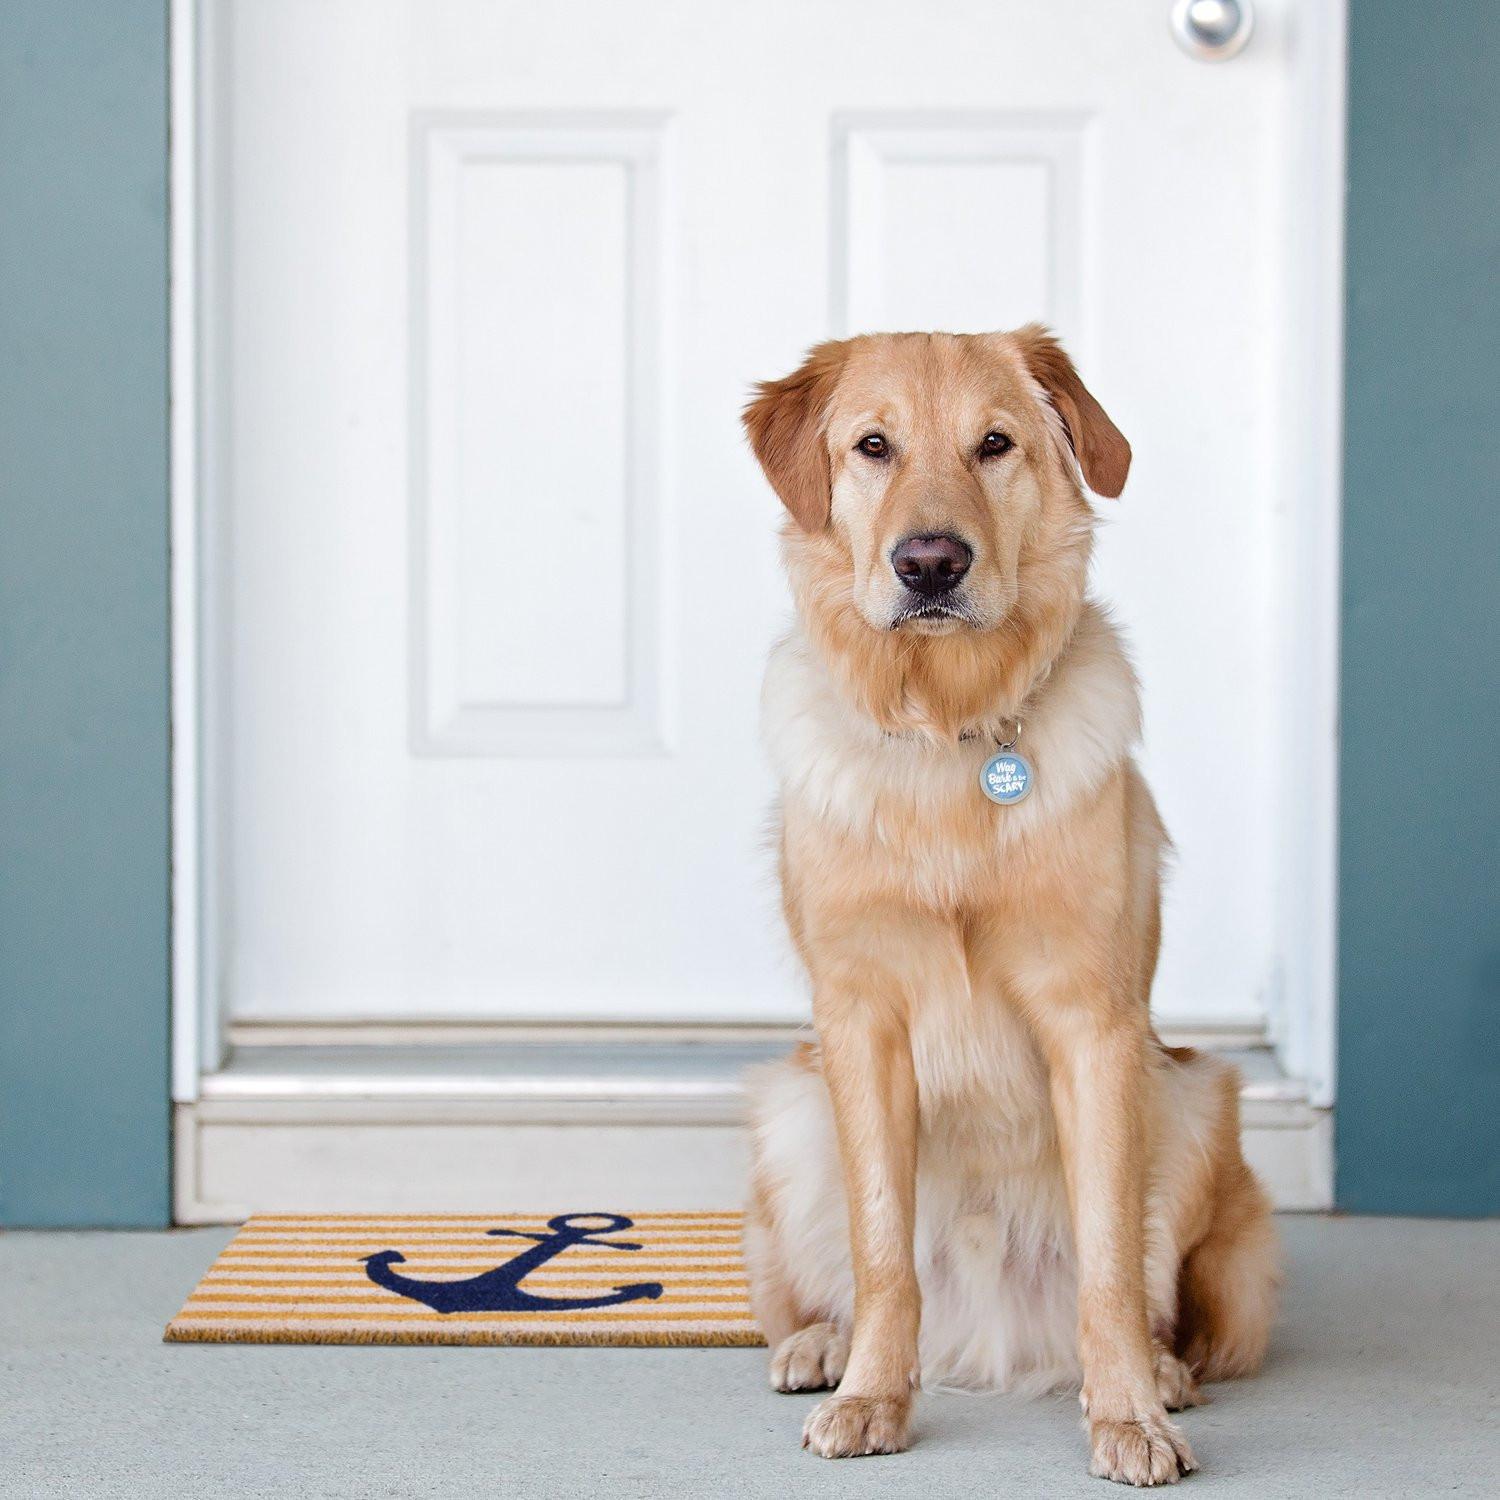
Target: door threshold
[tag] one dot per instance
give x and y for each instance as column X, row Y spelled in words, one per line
column 1217, row 1035
column 647, row 1123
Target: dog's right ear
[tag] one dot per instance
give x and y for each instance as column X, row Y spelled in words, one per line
column 786, row 424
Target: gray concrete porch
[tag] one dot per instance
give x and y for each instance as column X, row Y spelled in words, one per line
column 1384, row 1380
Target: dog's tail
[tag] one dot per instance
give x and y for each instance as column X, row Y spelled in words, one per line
column 1229, row 1284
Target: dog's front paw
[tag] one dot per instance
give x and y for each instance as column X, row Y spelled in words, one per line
column 1146, row 1450
column 812, row 1359
column 847, row 1426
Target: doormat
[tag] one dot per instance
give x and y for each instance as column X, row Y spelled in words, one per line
column 578, row 1278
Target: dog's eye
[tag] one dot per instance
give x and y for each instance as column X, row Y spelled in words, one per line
column 873, row 445
column 994, row 444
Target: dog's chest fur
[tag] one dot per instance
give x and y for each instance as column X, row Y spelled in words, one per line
column 916, row 806
column 903, row 820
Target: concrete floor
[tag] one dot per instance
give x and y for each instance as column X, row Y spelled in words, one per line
column 1384, row 1380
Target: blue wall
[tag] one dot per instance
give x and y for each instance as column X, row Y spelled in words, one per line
column 1418, row 1115
column 83, row 613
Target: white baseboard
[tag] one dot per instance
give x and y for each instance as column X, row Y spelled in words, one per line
column 234, row 1160
column 653, row 1124
column 1291, row 1149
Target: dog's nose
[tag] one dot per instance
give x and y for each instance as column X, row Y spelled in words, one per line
column 931, row 564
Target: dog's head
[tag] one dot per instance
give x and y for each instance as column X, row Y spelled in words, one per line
column 927, row 466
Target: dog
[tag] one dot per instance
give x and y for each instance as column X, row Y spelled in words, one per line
column 988, row 1171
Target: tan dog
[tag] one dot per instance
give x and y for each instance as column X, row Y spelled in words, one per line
column 989, row 1171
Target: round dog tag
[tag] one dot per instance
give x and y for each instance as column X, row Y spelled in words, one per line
column 1006, row 778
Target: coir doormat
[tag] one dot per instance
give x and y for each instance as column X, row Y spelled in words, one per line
column 578, row 1278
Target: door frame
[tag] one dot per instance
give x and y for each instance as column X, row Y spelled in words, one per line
column 1308, row 352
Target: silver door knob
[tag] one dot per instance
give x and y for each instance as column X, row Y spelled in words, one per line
column 1213, row 30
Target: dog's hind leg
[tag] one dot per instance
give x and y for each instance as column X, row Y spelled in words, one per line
column 772, row 1298
column 1195, row 1153
column 1227, row 1290
column 795, row 1219
column 807, row 1354
column 1227, row 1299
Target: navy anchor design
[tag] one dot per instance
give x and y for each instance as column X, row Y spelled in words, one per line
column 500, row 1290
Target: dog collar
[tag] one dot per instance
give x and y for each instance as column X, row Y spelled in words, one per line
column 1003, row 735
column 1006, row 776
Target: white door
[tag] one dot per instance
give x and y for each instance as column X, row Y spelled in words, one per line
column 488, row 284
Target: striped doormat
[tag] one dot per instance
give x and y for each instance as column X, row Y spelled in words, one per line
column 578, row 1278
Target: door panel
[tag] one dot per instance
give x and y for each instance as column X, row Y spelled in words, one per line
column 535, row 435
column 501, row 576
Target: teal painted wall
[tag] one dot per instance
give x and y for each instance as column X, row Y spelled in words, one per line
column 83, row 613
column 1418, row 1114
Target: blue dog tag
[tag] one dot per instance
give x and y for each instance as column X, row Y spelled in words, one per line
column 1006, row 778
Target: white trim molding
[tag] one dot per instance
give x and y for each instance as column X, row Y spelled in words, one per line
column 1309, row 372
column 188, row 991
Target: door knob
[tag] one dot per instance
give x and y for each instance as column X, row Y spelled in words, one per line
column 1213, row 30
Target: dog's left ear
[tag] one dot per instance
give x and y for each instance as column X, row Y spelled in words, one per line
column 1099, row 446
column 787, row 422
